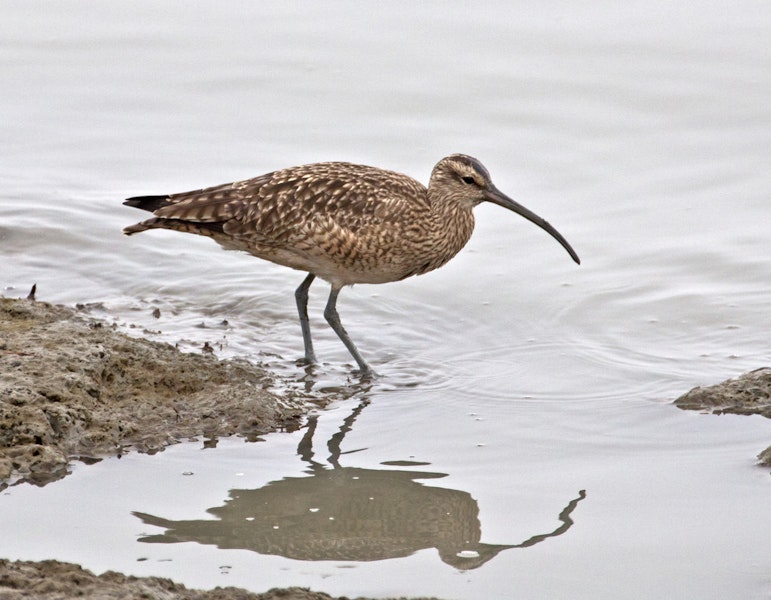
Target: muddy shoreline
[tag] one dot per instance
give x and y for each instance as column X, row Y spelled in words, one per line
column 72, row 388
column 54, row 580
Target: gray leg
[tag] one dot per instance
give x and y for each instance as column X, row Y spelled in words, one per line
column 330, row 314
column 301, row 295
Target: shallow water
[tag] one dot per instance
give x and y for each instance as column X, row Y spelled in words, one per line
column 514, row 378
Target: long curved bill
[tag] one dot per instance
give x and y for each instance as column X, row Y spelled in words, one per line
column 495, row 196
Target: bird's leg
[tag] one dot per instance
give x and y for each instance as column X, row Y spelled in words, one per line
column 330, row 314
column 301, row 295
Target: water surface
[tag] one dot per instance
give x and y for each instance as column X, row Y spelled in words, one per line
column 512, row 380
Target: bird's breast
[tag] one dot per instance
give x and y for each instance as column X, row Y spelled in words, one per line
column 383, row 252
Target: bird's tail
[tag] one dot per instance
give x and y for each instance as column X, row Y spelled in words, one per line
column 148, row 203
column 154, row 203
column 139, row 227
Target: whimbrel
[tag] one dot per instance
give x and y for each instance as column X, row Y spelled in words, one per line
column 341, row 222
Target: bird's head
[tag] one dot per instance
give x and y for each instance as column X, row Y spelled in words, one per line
column 466, row 181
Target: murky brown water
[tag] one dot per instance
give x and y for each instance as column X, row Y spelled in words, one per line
column 512, row 379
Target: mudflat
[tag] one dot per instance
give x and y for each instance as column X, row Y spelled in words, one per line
column 71, row 387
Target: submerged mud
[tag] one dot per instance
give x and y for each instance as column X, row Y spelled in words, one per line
column 748, row 394
column 71, row 387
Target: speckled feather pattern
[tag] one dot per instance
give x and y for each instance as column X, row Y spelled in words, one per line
column 345, row 223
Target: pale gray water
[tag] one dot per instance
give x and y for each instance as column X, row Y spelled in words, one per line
column 641, row 131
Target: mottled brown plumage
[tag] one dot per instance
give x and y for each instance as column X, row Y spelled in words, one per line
column 342, row 222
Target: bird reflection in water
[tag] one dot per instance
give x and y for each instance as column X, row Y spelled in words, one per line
column 348, row 514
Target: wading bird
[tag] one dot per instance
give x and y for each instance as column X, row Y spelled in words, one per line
column 341, row 222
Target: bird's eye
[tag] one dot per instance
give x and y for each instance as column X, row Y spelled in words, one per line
column 468, row 180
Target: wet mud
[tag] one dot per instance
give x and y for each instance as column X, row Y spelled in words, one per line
column 73, row 388
column 54, row 580
column 748, row 394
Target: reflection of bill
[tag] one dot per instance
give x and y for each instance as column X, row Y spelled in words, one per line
column 347, row 513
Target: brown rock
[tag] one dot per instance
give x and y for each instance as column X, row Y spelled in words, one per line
column 748, row 394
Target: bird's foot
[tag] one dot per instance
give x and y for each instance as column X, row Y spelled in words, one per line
column 366, row 373
column 307, row 360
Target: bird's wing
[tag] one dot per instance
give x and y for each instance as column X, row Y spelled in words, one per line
column 216, row 204
column 299, row 202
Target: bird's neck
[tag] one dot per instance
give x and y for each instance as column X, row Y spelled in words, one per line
column 452, row 224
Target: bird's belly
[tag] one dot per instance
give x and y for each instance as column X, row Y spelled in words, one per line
column 382, row 267
column 338, row 273
column 343, row 257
